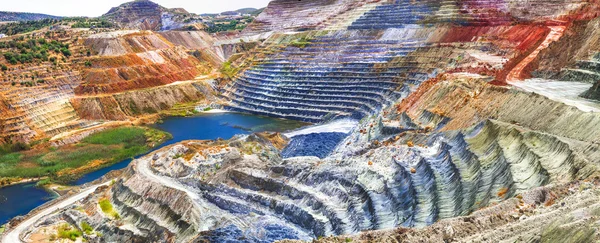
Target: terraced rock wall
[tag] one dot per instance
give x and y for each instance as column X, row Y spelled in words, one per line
column 307, row 78
column 467, row 102
column 78, row 94
column 545, row 214
column 42, row 110
column 200, row 41
column 121, row 106
column 291, row 15
column 406, row 179
column 356, row 73
column 134, row 61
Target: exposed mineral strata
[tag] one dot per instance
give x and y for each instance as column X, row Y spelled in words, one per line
column 120, row 78
column 444, row 144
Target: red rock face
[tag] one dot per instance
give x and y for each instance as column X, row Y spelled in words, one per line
column 130, row 72
column 142, row 61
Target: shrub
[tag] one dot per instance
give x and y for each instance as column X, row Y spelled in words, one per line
column 65, row 52
column 87, row 229
column 65, row 231
column 108, row 209
column 228, row 70
column 300, row 43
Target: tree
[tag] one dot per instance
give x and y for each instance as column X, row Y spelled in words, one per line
column 13, row 60
column 65, row 52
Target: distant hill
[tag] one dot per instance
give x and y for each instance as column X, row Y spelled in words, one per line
column 246, row 10
column 258, row 11
column 251, row 11
column 16, row 16
column 147, row 15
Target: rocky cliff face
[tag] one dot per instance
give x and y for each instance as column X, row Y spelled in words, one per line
column 128, row 78
column 122, row 106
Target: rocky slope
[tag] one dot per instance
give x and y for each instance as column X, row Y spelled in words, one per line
column 16, row 16
column 560, row 213
column 136, row 61
column 409, row 168
column 147, row 15
column 111, row 76
column 121, row 106
column 300, row 15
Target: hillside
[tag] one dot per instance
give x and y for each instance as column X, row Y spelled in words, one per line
column 147, row 15
column 15, row 16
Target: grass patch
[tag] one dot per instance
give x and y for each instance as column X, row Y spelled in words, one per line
column 69, row 162
column 108, row 209
column 181, row 110
column 65, row 231
column 300, row 43
column 228, row 70
column 126, row 135
column 87, row 228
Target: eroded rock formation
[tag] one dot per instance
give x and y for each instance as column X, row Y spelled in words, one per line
column 445, row 142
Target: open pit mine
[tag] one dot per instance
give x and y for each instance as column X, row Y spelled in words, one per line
column 428, row 121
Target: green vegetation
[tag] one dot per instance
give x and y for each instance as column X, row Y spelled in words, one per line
column 65, row 231
column 33, row 25
column 67, row 163
column 14, row 147
column 127, row 135
column 44, row 182
column 24, row 51
column 87, row 229
column 300, row 43
column 108, row 209
column 228, row 25
column 27, row 26
column 90, row 23
column 228, row 70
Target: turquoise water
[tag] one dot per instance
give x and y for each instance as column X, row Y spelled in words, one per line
column 20, row 199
